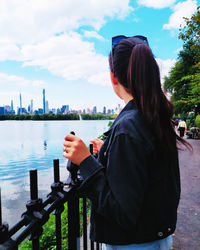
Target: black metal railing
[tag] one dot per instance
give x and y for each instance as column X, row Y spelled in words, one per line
column 38, row 211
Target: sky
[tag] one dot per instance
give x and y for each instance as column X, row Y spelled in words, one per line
column 62, row 46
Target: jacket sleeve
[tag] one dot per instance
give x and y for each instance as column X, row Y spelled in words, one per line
column 117, row 192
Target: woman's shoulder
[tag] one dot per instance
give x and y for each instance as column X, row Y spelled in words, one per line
column 133, row 125
column 130, row 121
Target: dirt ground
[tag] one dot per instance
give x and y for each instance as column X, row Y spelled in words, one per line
column 187, row 234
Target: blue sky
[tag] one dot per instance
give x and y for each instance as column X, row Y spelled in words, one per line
column 63, row 46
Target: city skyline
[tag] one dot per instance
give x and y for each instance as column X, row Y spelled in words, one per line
column 64, row 109
column 64, row 49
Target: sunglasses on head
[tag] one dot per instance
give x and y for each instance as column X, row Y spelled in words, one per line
column 117, row 39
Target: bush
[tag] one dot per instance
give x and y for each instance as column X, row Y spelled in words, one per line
column 188, row 123
column 48, row 238
column 98, row 116
column 197, row 121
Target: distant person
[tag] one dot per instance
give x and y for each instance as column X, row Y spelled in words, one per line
column 176, row 123
column 134, row 185
column 182, row 127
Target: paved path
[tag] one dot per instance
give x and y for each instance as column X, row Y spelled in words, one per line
column 187, row 234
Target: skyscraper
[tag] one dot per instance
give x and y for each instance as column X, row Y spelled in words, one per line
column 104, row 110
column 94, row 111
column 20, row 100
column 12, row 106
column 44, row 101
column 46, row 107
column 31, row 107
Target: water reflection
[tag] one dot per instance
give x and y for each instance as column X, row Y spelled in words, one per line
column 45, row 145
column 26, row 145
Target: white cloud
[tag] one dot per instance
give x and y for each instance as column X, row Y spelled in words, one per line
column 33, row 21
column 178, row 50
column 67, row 56
column 41, row 33
column 182, row 9
column 157, row 4
column 8, row 51
column 165, row 67
column 93, row 34
column 20, row 81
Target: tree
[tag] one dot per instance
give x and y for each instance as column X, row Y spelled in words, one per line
column 191, row 32
column 183, row 81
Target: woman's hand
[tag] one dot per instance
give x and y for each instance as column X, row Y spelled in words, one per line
column 75, row 149
column 97, row 143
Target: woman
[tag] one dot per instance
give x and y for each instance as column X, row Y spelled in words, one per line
column 134, row 185
column 182, row 127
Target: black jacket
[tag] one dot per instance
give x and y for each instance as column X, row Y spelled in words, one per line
column 134, row 188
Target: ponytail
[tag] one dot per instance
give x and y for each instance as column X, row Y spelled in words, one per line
column 134, row 65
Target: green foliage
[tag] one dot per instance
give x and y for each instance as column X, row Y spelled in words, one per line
column 191, row 32
column 47, row 117
column 42, row 117
column 103, row 137
column 98, row 116
column 197, row 121
column 183, row 81
column 48, row 238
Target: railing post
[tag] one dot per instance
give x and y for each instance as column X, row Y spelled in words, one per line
column 57, row 186
column 34, row 204
column 91, row 151
column 73, row 208
column 91, row 245
column 73, row 223
column 84, row 224
column 3, row 226
column 37, row 214
column 0, row 208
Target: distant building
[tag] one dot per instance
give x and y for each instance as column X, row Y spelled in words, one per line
column 104, row 110
column 118, row 109
column 24, row 111
column 88, row 111
column 46, row 107
column 31, row 107
column 73, row 111
column 65, row 109
column 2, row 111
column 40, row 111
column 7, row 110
column 54, row 111
column 12, row 109
column 20, row 102
column 94, row 111
column 43, row 92
column 21, row 111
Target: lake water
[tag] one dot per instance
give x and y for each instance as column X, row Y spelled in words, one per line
column 26, row 145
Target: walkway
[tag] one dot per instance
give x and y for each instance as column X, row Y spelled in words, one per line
column 187, row 234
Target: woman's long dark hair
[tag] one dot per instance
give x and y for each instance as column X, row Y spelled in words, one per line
column 135, row 67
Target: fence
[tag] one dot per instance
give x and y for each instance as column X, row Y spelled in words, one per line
column 37, row 214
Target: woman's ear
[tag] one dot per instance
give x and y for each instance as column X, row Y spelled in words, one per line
column 113, row 79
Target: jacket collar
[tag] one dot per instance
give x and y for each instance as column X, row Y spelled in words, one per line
column 129, row 106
